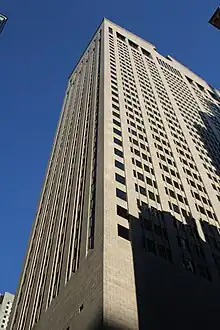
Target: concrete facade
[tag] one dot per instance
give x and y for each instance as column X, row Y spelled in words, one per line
column 6, row 301
column 127, row 228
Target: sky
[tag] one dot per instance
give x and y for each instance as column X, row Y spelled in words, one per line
column 40, row 45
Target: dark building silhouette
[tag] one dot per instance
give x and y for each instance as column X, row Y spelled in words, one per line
column 215, row 19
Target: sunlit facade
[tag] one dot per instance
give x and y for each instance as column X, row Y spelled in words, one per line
column 126, row 234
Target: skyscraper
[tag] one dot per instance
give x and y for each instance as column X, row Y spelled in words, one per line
column 6, row 301
column 215, row 19
column 3, row 20
column 126, row 234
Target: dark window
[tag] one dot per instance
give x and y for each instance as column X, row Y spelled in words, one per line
column 162, row 251
column 118, row 152
column 119, row 165
column 171, row 193
column 158, row 230
column 114, row 105
column 121, row 194
column 119, row 178
column 145, row 52
column 188, row 265
column 146, row 168
column 137, row 152
column 138, row 163
column 117, row 141
column 149, row 181
column 147, row 224
column 120, row 36
column 151, row 195
column 116, row 131
column 140, row 176
column 116, row 122
column 132, row 44
column 115, row 114
column 144, row 156
column 81, row 308
column 110, row 31
column 123, row 232
column 176, row 208
column 143, row 191
column 151, row 246
column 122, row 212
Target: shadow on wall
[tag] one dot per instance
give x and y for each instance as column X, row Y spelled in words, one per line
column 210, row 134
column 176, row 272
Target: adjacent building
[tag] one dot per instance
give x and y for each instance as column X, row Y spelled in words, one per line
column 3, row 20
column 215, row 19
column 6, row 301
column 126, row 234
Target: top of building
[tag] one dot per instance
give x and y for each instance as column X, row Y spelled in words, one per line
column 215, row 19
column 3, row 20
column 151, row 48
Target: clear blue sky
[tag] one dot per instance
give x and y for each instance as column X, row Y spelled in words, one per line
column 39, row 47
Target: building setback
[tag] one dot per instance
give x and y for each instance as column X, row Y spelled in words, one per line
column 126, row 234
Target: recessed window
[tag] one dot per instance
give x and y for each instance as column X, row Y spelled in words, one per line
column 143, row 191
column 151, row 195
column 119, row 165
column 118, row 152
column 116, row 131
column 117, row 141
column 121, row 194
column 145, row 52
column 122, row 212
column 119, row 178
column 120, row 36
column 123, row 232
column 81, row 308
column 116, row 122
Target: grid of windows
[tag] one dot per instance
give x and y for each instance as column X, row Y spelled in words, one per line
column 152, row 140
column 61, row 208
column 145, row 186
column 191, row 113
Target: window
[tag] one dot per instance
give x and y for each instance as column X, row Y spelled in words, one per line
column 151, row 195
column 118, row 152
column 140, row 176
column 120, row 36
column 116, row 131
column 117, row 141
column 116, row 114
column 143, row 191
column 121, row 194
column 176, row 208
column 123, row 232
column 188, row 265
column 151, row 246
column 122, row 212
column 119, row 178
column 116, row 122
column 146, row 168
column 145, row 52
column 119, row 165
column 138, row 163
column 149, row 181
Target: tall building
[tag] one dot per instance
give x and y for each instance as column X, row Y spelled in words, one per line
column 6, row 301
column 3, row 20
column 126, row 234
column 215, row 19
